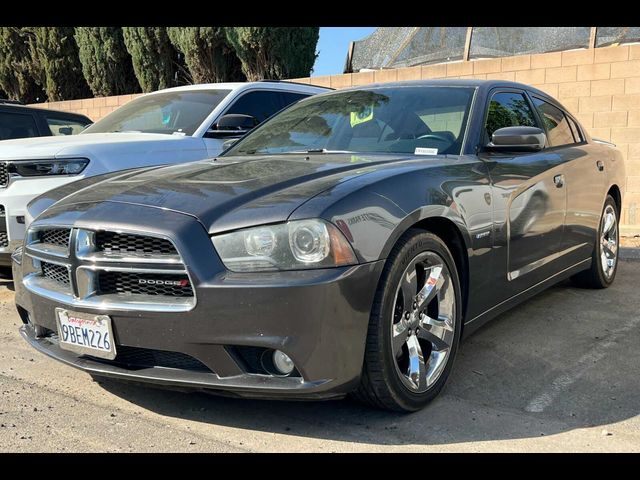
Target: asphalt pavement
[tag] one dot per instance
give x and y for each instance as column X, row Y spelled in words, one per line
column 557, row 373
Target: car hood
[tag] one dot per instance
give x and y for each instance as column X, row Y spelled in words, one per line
column 88, row 143
column 233, row 192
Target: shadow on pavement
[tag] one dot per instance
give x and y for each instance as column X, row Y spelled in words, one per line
column 564, row 360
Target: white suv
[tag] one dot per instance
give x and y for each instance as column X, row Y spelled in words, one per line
column 174, row 125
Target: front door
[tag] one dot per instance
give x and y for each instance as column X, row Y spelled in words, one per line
column 529, row 199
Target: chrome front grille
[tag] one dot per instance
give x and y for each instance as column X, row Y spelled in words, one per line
column 105, row 269
column 55, row 236
column 127, row 244
column 4, row 174
column 57, row 273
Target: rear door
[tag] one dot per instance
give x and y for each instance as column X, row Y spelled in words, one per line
column 585, row 179
column 529, row 198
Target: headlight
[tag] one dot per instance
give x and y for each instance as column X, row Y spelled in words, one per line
column 296, row 245
column 38, row 168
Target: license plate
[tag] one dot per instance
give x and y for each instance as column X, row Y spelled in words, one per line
column 86, row 334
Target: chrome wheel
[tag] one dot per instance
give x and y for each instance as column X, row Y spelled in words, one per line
column 422, row 328
column 609, row 241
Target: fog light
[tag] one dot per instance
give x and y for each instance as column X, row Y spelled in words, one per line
column 282, row 362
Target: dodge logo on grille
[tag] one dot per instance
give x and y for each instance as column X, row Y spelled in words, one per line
column 173, row 283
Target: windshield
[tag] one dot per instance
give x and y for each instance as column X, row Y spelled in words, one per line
column 180, row 112
column 409, row 119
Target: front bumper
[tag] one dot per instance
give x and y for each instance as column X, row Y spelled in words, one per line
column 317, row 317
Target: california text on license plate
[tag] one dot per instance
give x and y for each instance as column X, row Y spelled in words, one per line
column 85, row 333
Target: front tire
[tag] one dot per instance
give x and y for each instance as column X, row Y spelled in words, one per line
column 604, row 260
column 415, row 325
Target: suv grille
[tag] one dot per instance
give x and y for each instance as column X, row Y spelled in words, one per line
column 4, row 175
column 119, row 243
column 124, row 283
column 57, row 273
column 4, row 240
column 56, row 236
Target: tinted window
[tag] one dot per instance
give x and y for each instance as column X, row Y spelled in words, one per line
column 508, row 109
column 180, row 112
column 17, row 125
column 381, row 119
column 555, row 121
column 260, row 105
column 64, row 126
column 289, row 97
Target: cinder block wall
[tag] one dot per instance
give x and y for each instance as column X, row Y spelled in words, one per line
column 94, row 108
column 600, row 86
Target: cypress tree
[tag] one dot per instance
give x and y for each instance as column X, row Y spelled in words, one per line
column 57, row 52
column 155, row 60
column 275, row 52
column 207, row 54
column 106, row 64
column 21, row 75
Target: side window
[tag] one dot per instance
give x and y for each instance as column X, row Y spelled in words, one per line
column 261, row 105
column 575, row 129
column 555, row 121
column 64, row 126
column 17, row 125
column 289, row 97
column 508, row 109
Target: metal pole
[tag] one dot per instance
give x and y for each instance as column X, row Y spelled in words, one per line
column 467, row 45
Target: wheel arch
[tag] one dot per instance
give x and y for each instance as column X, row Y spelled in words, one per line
column 615, row 192
column 455, row 237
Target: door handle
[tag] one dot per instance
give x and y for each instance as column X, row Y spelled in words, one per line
column 600, row 165
column 559, row 180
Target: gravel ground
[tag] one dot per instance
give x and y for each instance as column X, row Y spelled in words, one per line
column 557, row 373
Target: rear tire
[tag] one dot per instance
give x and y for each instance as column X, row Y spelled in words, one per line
column 604, row 260
column 413, row 337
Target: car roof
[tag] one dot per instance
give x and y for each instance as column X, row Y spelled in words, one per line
column 271, row 84
column 19, row 106
column 453, row 82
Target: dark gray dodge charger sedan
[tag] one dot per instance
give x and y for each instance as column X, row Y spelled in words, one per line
column 344, row 246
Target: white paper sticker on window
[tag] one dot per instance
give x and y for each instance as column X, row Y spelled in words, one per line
column 425, row 151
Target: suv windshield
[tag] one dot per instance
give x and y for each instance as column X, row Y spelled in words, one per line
column 381, row 120
column 169, row 112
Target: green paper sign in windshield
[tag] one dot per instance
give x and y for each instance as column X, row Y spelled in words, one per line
column 364, row 115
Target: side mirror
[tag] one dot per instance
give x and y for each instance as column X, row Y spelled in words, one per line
column 232, row 125
column 65, row 131
column 517, row 139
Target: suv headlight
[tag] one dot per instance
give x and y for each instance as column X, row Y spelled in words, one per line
column 39, row 168
column 300, row 244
